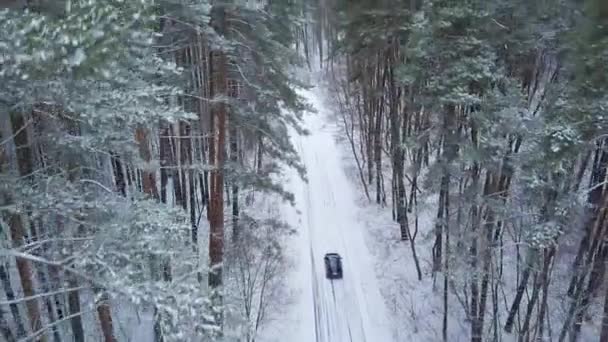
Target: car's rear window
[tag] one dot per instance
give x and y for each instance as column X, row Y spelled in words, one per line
column 333, row 263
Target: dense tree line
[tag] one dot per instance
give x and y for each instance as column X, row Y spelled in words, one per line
column 135, row 136
column 496, row 111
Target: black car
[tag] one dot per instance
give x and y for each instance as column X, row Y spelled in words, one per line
column 333, row 266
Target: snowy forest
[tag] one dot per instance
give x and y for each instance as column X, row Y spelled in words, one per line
column 176, row 170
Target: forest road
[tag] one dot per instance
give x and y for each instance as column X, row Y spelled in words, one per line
column 349, row 309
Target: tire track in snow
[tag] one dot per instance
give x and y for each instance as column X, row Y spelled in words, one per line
column 333, row 293
column 357, row 305
column 315, row 282
column 315, row 297
column 350, row 324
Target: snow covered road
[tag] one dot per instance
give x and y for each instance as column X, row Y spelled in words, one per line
column 349, row 309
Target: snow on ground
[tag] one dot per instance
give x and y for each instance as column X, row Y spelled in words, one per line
column 326, row 216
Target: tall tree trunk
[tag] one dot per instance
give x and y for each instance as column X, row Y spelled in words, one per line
column 439, row 223
column 260, row 155
column 44, row 281
column 105, row 317
column 188, row 141
column 446, row 267
column 447, row 156
column 74, row 308
column 216, row 205
column 377, row 134
column 129, row 174
column 10, row 296
column 26, row 276
column 188, row 179
column 164, row 154
column 17, row 229
column 369, row 115
column 413, row 203
column 597, row 230
column 319, row 39
column 489, row 234
column 521, row 288
column 203, row 116
column 234, row 160
column 5, row 330
column 149, row 188
column 378, row 156
column 604, row 333
column 148, row 176
column 476, row 329
column 192, row 201
column 119, row 176
column 592, row 250
column 545, row 279
column 598, row 175
column 396, row 148
column 178, row 193
column 594, row 279
column 530, row 307
column 497, row 186
column 5, row 280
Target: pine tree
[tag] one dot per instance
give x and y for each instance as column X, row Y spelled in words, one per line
column 89, row 91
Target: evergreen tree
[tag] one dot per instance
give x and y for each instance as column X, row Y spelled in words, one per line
column 98, row 98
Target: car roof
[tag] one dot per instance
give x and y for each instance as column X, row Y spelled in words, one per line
column 332, row 255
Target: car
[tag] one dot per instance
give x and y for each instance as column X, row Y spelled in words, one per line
column 333, row 266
